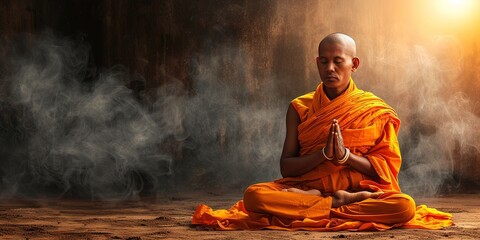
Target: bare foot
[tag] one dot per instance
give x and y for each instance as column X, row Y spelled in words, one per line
column 342, row 197
column 311, row 191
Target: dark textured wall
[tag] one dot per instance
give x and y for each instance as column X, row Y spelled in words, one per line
column 212, row 81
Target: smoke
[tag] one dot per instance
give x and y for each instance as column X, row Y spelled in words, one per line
column 68, row 129
column 438, row 121
column 82, row 138
column 75, row 137
column 234, row 140
column 422, row 69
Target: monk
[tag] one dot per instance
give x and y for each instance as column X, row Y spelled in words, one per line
column 340, row 162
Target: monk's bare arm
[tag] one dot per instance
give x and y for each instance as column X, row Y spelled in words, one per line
column 291, row 164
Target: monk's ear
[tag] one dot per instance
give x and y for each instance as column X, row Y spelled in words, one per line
column 356, row 63
column 318, row 63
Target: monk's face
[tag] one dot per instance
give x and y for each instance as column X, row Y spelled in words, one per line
column 335, row 65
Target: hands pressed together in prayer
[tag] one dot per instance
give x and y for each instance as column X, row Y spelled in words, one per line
column 292, row 164
column 335, row 149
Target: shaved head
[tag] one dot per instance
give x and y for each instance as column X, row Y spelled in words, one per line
column 336, row 62
column 346, row 41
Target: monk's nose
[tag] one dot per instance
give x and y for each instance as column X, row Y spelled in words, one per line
column 331, row 67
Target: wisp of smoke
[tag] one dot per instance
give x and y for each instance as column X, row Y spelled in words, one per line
column 438, row 123
column 72, row 137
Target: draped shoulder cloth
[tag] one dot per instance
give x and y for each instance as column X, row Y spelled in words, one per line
column 369, row 129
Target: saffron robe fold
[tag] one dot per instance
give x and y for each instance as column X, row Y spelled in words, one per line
column 369, row 129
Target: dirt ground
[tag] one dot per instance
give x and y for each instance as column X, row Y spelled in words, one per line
column 169, row 218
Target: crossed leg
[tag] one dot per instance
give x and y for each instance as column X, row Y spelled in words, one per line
column 284, row 201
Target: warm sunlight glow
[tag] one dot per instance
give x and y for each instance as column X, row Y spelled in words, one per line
column 456, row 8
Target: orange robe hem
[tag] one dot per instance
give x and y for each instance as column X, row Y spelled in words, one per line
column 369, row 128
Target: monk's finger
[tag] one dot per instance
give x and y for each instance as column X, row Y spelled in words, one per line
column 329, row 146
column 339, row 148
column 337, row 129
column 330, row 135
column 334, row 139
column 332, row 126
column 335, row 144
column 340, row 137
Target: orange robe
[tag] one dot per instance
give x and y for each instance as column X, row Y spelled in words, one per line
column 369, row 129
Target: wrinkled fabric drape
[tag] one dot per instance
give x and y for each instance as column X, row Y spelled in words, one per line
column 369, row 128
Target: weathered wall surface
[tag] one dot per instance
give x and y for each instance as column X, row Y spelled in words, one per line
column 193, row 93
